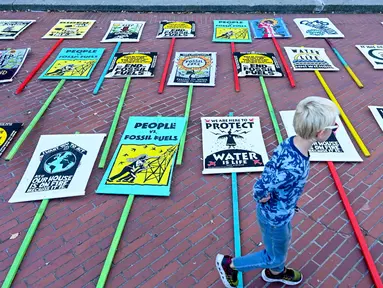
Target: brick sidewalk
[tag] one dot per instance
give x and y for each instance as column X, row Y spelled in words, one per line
column 172, row 242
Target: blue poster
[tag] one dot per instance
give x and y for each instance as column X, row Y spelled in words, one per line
column 73, row 64
column 270, row 27
column 144, row 160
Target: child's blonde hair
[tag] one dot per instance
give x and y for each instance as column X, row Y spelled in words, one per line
column 312, row 115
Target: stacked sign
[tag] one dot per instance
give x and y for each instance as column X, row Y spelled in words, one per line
column 69, row 29
column 124, row 31
column 176, row 29
column 144, row 160
column 373, row 53
column 318, row 28
column 309, row 59
column 257, row 64
column 194, row 68
column 232, row 144
column 7, row 133
column 10, row 29
column 11, row 61
column 231, row 31
column 377, row 111
column 338, row 148
column 269, row 28
column 60, row 167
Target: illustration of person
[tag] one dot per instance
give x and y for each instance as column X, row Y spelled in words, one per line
column 230, row 142
column 191, row 74
column 268, row 26
column 61, row 71
column 137, row 165
column 226, row 35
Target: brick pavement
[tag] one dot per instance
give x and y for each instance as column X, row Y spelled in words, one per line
column 171, row 242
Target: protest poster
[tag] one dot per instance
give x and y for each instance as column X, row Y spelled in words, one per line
column 338, row 148
column 377, row 112
column 132, row 64
column 232, row 144
column 237, row 31
column 257, row 64
column 176, row 29
column 69, row 29
column 309, row 59
column 7, row 132
column 318, row 28
column 373, row 53
column 144, row 159
column 193, row 68
column 269, row 28
column 11, row 61
column 124, row 31
column 60, row 167
column 10, row 29
column 73, row 64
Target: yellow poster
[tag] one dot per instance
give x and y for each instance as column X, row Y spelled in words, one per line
column 71, row 68
column 69, row 29
column 142, row 165
column 232, row 33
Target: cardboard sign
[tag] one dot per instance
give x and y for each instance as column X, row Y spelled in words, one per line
column 144, row 160
column 73, row 64
column 338, row 148
column 124, row 31
column 309, row 59
column 269, row 28
column 237, row 31
column 69, row 29
column 176, row 29
column 257, row 64
column 373, row 53
column 7, row 132
column 318, row 28
column 11, row 61
column 193, row 68
column 377, row 112
column 60, row 167
column 10, row 29
column 132, row 64
column 232, row 144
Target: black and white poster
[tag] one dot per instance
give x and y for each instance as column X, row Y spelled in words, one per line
column 176, row 29
column 7, row 133
column 318, row 28
column 232, row 144
column 377, row 112
column 309, row 59
column 60, row 167
column 338, row 148
column 373, row 53
column 257, row 64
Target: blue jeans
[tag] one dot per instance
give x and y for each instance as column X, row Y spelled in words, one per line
column 276, row 240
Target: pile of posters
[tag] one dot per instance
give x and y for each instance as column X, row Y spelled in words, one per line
column 318, row 28
column 176, row 29
column 377, row 112
column 269, row 28
column 124, row 31
column 7, row 132
column 338, row 148
column 10, row 29
column 132, row 64
column 232, row 31
column 373, row 53
column 11, row 61
column 194, row 68
column 144, row 160
column 73, row 63
column 69, row 29
column 257, row 64
column 232, row 144
column 60, row 167
column 309, row 59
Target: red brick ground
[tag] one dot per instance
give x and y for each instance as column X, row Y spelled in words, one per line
column 171, row 242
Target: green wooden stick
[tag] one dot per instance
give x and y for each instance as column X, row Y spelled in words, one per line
column 116, row 240
column 271, row 110
column 114, row 124
column 183, row 137
column 34, row 121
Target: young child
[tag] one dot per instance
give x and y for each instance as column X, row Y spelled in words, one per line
column 277, row 192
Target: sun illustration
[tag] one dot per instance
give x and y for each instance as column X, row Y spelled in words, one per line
column 195, row 63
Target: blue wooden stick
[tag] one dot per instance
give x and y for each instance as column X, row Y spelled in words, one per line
column 237, row 231
column 102, row 77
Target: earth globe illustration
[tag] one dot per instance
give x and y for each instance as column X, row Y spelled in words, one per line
column 60, row 162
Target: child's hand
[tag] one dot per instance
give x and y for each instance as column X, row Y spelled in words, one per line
column 264, row 200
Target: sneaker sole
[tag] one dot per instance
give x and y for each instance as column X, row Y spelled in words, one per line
column 218, row 261
column 270, row 280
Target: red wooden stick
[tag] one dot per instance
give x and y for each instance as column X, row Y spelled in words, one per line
column 284, row 63
column 236, row 80
column 354, row 223
column 166, row 68
column 38, row 66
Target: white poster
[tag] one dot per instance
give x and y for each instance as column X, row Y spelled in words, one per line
column 60, row 167
column 377, row 111
column 124, row 31
column 373, row 53
column 318, row 28
column 193, row 68
column 309, row 59
column 232, row 144
column 338, row 148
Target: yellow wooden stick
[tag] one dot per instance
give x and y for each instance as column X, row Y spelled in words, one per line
column 343, row 115
column 354, row 77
